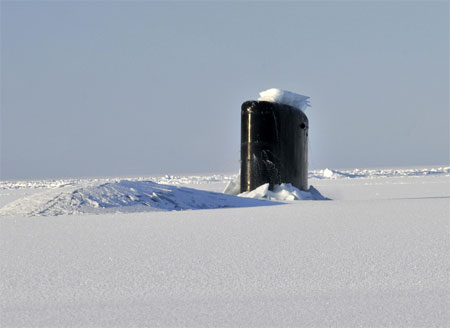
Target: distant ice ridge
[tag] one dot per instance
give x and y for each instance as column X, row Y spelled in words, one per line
column 285, row 97
column 226, row 178
column 283, row 192
column 137, row 194
column 378, row 173
column 166, row 179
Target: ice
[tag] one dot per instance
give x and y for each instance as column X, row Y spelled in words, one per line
column 376, row 255
column 233, row 186
column 285, row 97
column 327, row 173
column 223, row 179
column 379, row 173
column 141, row 194
column 122, row 196
column 283, row 192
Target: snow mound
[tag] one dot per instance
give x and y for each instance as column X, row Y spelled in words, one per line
column 122, row 196
column 283, row 192
column 285, row 97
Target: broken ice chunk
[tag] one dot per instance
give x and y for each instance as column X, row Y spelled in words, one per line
column 285, row 97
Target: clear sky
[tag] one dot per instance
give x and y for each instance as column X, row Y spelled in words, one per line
column 140, row 88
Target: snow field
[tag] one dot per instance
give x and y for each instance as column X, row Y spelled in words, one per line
column 374, row 256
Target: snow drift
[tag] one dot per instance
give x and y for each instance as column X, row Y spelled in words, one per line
column 123, row 196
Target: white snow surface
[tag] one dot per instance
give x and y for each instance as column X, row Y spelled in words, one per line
column 375, row 255
column 285, row 97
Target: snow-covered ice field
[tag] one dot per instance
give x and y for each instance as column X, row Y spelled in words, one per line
column 133, row 252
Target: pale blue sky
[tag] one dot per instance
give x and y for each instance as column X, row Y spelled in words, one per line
column 140, row 88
